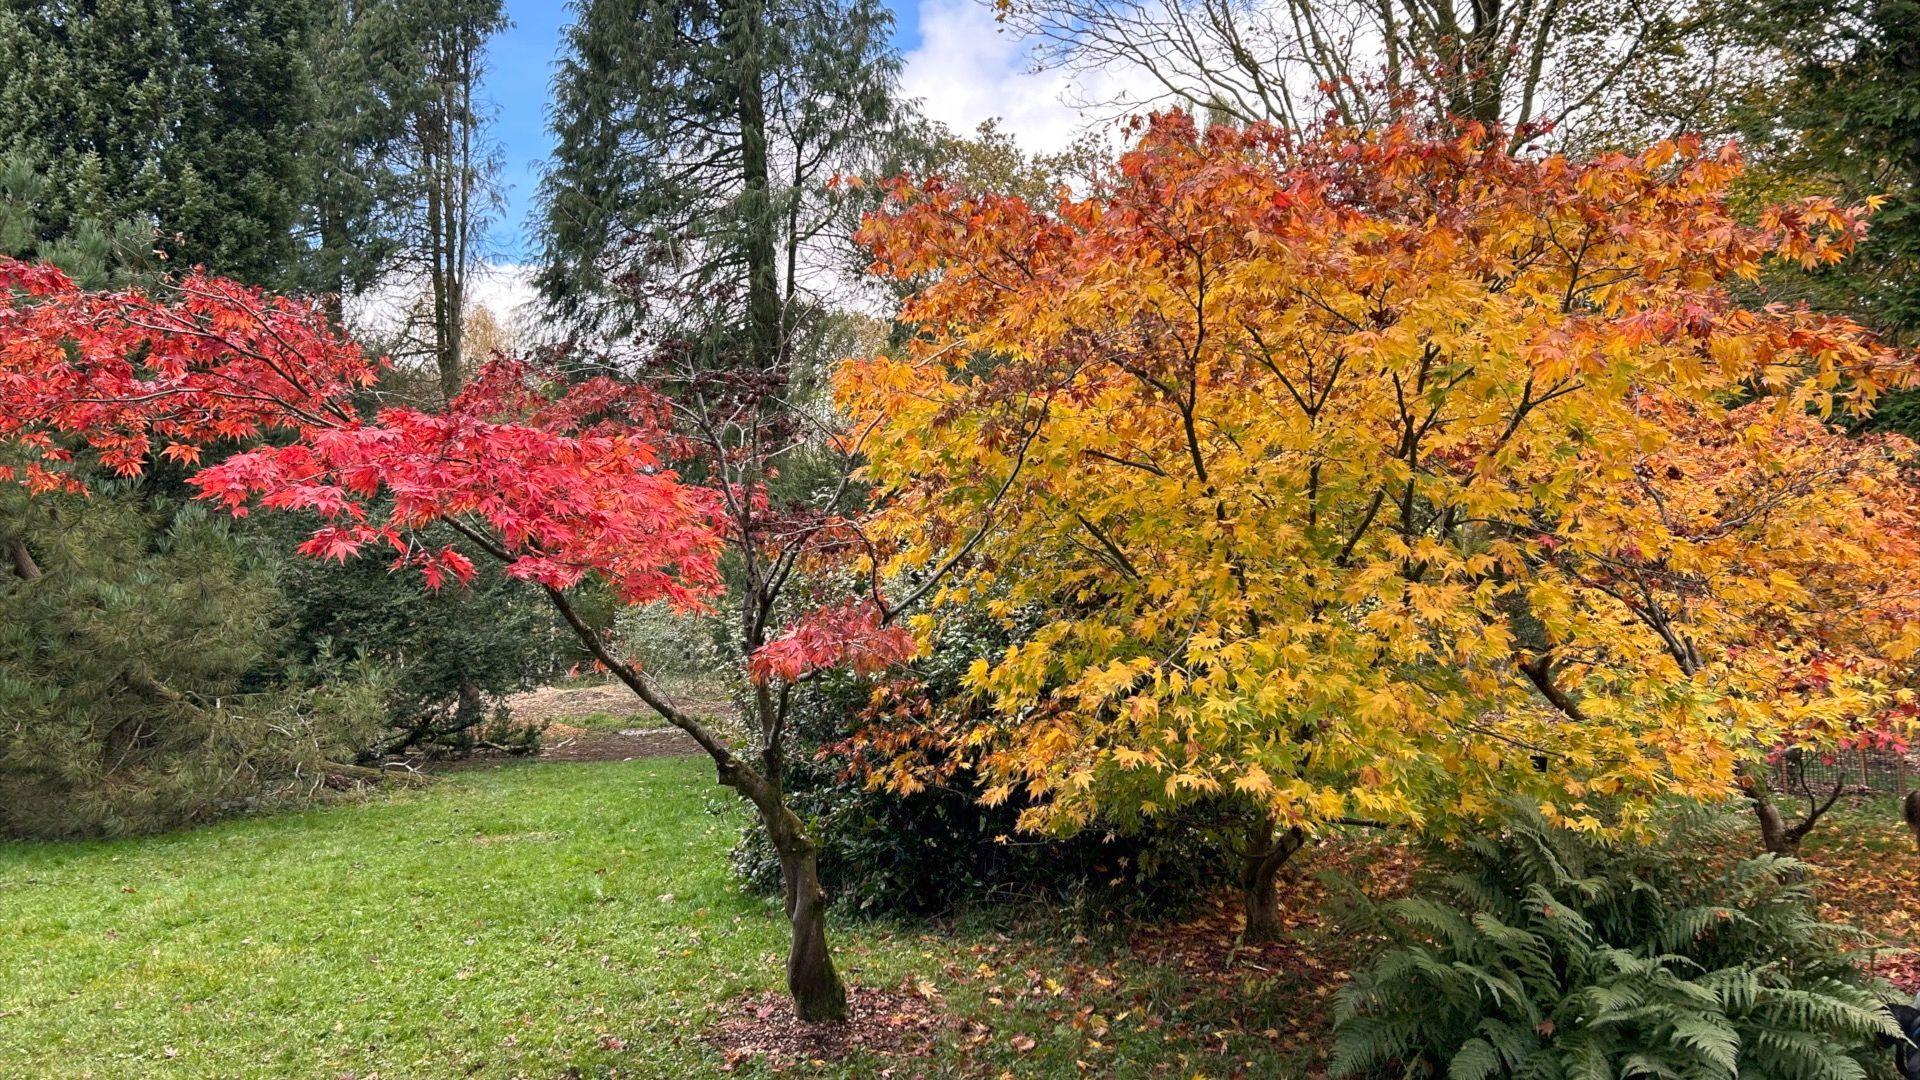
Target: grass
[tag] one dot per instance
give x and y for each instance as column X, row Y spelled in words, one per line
column 535, row 920
column 502, row 923
column 578, row 920
column 606, row 721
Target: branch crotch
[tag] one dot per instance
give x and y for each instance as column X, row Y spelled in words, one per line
column 1258, row 875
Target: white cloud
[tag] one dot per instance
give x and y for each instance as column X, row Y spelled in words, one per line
column 969, row 68
column 505, row 289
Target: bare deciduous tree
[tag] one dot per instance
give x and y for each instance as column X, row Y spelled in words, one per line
column 1592, row 71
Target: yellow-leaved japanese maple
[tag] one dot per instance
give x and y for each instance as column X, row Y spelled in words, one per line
column 1382, row 474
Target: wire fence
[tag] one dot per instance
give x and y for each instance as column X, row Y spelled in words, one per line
column 1854, row 772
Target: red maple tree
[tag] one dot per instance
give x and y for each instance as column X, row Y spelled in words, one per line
column 559, row 480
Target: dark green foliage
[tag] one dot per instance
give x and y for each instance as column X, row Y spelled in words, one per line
column 143, row 681
column 350, row 233
column 183, row 116
column 449, row 655
column 1898, row 411
column 147, row 673
column 940, row 848
column 1552, row 954
column 95, row 254
column 656, row 194
column 1846, row 120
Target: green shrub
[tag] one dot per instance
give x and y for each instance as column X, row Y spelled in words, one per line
column 672, row 644
column 451, row 655
column 1552, row 954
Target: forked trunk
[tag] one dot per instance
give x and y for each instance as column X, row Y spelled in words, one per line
column 1259, row 872
column 1775, row 837
column 818, row 993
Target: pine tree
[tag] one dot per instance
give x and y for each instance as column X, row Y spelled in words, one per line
column 142, row 675
column 95, row 253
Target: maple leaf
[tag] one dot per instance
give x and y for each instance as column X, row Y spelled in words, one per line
column 852, row 634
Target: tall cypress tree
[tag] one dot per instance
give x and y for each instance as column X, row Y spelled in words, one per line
column 348, row 237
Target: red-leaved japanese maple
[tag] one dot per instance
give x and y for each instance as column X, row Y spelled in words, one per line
column 559, row 481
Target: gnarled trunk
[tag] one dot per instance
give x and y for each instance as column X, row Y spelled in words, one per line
column 818, row 993
column 1258, row 873
column 1776, row 835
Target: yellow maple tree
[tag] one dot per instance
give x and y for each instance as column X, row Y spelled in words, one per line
column 1381, row 475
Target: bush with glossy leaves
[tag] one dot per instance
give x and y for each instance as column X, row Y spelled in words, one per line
column 939, row 848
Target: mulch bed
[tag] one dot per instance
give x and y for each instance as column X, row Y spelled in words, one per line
column 901, row 1023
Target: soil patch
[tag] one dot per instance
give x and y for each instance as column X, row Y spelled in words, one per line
column 562, row 742
column 901, row 1023
column 572, row 701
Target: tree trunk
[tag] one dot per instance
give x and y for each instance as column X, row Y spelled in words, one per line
column 1774, row 834
column 1258, row 873
column 21, row 559
column 756, row 202
column 470, row 708
column 818, row 993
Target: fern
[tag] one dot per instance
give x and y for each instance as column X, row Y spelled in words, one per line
column 1555, row 955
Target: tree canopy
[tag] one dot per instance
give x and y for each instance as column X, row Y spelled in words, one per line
column 1370, row 473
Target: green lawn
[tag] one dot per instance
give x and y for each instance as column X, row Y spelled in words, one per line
column 535, row 920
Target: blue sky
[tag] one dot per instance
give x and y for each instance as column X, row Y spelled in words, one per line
column 960, row 63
